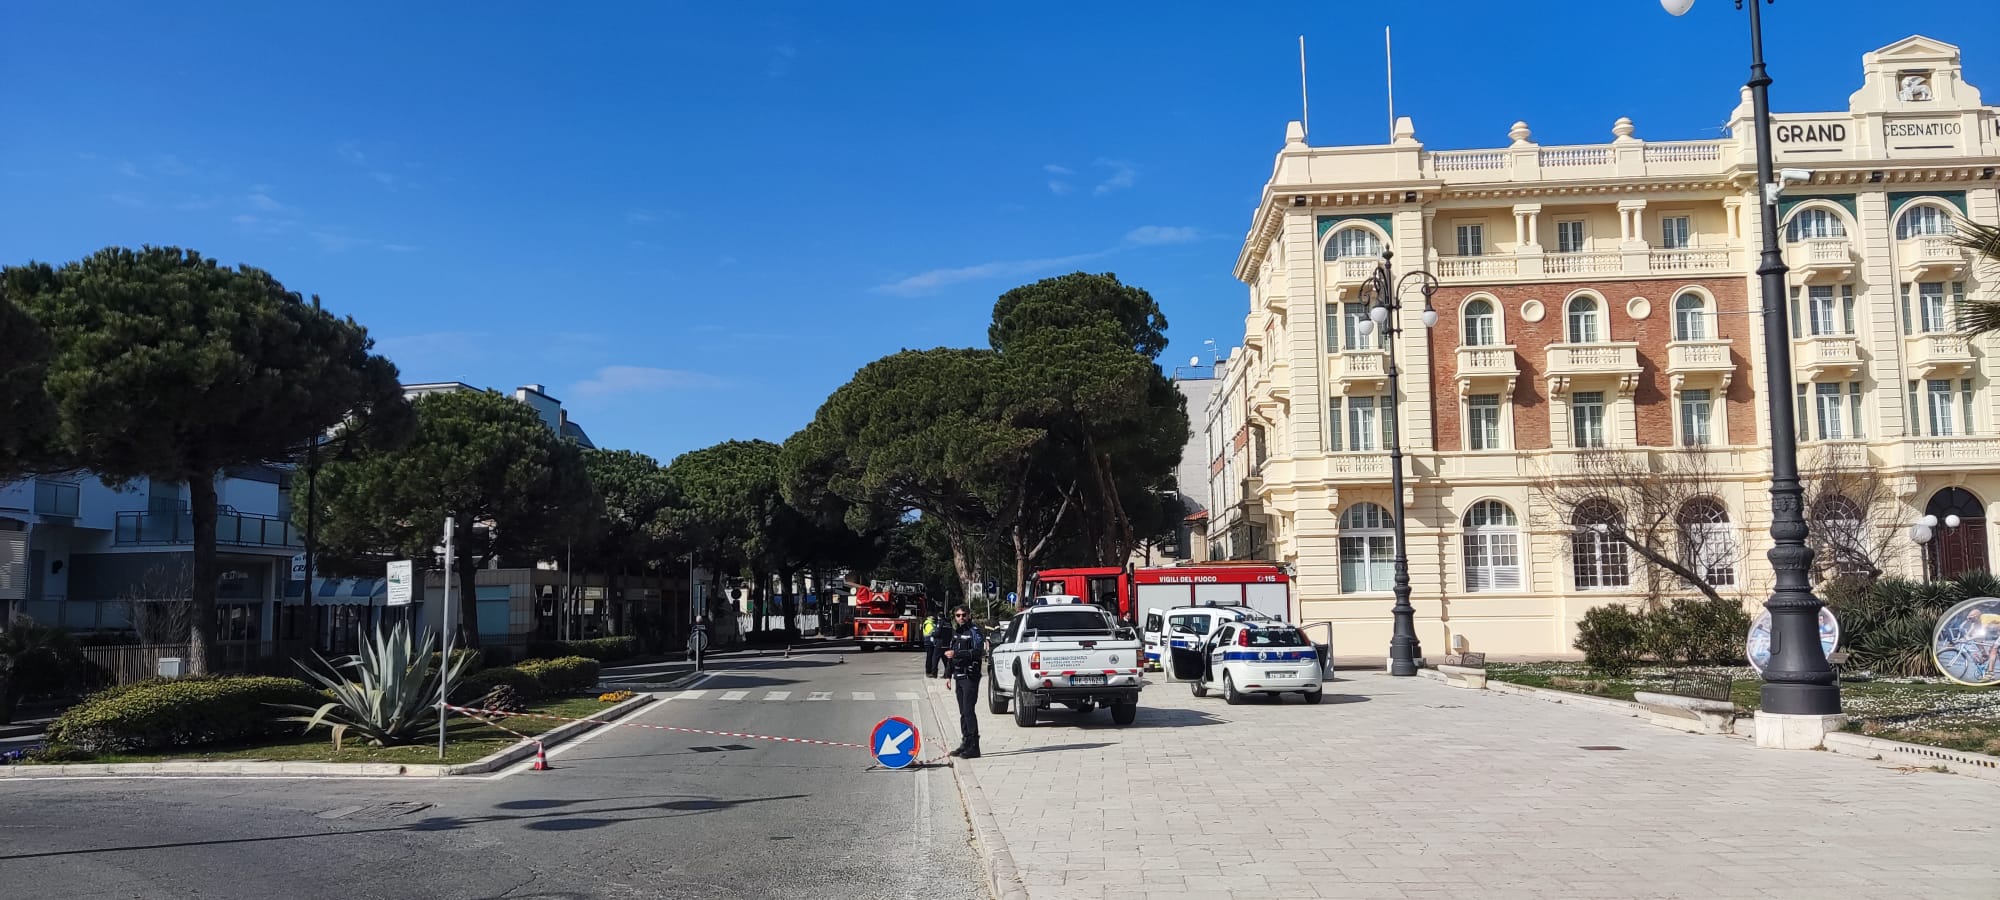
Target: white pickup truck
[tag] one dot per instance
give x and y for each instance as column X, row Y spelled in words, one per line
column 1062, row 650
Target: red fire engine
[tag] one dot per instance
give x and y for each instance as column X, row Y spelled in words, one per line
column 1262, row 586
column 889, row 614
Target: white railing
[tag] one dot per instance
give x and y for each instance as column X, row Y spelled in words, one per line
column 1575, row 156
column 1932, row 248
column 1363, row 363
column 1954, row 450
column 1475, row 266
column 1363, row 463
column 1597, row 263
column 1350, row 269
column 1943, row 348
column 1689, row 260
column 1468, row 160
column 1841, row 454
column 1709, row 354
column 1832, row 349
column 1594, row 358
column 1683, row 151
column 1828, row 250
column 1496, row 360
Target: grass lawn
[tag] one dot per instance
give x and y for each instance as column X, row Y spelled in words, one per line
column 467, row 741
column 1917, row 710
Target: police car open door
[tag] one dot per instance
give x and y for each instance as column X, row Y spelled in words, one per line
column 1181, row 646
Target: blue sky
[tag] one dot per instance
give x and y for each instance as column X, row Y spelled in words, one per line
column 692, row 222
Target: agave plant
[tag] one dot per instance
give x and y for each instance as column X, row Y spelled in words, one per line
column 387, row 694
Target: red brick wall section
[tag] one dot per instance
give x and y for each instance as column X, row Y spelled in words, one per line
column 1654, row 410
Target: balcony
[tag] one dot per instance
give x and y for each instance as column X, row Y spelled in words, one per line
column 1821, row 259
column 1476, row 268
column 1680, row 261
column 1953, row 453
column 1930, row 256
column 1477, row 365
column 1594, row 263
column 1702, row 361
column 1349, row 272
column 1618, row 361
column 1364, row 464
column 1939, row 354
column 232, row 529
column 1360, row 370
column 56, row 499
column 1838, row 355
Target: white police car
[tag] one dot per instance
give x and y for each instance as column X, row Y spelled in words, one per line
column 1253, row 657
column 1186, row 627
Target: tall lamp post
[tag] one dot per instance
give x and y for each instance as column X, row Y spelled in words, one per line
column 1798, row 681
column 1383, row 294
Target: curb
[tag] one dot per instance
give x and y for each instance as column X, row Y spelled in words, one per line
column 1975, row 765
column 1002, row 876
column 496, row 760
column 1550, row 695
column 640, row 687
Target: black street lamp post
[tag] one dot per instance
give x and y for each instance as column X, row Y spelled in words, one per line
column 1798, row 681
column 1382, row 293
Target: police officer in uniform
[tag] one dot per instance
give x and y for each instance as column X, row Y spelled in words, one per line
column 962, row 659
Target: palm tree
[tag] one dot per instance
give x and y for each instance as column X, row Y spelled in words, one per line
column 1981, row 316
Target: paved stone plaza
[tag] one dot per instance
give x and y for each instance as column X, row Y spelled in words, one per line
column 1409, row 788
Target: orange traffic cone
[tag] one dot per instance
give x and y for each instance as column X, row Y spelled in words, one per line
column 541, row 760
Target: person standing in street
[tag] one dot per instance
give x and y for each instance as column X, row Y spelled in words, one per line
column 933, row 646
column 967, row 648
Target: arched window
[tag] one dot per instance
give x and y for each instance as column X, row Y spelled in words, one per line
column 1349, row 242
column 1584, row 324
column 1598, row 559
column 1367, row 549
column 1690, row 317
column 1922, row 220
column 1492, row 548
column 1840, row 534
column 1812, row 223
column 1481, row 325
column 1708, row 541
column 1952, row 552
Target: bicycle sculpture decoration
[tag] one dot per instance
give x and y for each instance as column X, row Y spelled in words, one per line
column 1966, row 644
column 1758, row 647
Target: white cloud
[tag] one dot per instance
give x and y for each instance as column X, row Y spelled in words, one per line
column 264, row 202
column 351, row 151
column 387, row 179
column 640, row 217
column 1123, row 175
column 617, row 380
column 1155, row 235
column 925, row 282
column 1054, row 169
column 1059, row 188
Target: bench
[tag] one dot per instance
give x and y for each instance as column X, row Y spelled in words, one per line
column 1465, row 670
column 1694, row 703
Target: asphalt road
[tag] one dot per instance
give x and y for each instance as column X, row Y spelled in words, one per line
column 628, row 812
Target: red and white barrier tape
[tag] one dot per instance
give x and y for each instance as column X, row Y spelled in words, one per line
column 735, row 734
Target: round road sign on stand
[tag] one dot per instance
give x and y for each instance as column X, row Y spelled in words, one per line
column 894, row 742
column 1758, row 647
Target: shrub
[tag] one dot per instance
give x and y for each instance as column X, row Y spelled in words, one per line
column 567, row 675
column 386, row 694
column 472, row 660
column 186, row 712
column 58, row 753
column 1611, row 638
column 604, row 649
column 1899, row 647
column 481, row 683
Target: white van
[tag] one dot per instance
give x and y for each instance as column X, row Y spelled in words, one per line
column 1187, row 626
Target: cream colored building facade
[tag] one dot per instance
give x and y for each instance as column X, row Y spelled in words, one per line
column 1604, row 296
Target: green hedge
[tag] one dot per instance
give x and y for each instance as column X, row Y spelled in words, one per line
column 1614, row 639
column 568, row 675
column 186, row 712
column 605, row 649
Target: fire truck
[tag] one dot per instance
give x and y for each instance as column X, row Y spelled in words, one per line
column 1263, row 586
column 889, row 614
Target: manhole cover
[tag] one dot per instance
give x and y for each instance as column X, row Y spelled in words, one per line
column 376, row 811
column 1602, row 747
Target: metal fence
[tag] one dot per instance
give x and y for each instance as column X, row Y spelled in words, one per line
column 135, row 662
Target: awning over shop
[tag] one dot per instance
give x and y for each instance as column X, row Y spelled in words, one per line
column 341, row 591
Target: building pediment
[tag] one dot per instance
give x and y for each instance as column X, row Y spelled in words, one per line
column 1914, row 75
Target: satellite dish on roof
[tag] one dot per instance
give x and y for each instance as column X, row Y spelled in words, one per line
column 1194, row 362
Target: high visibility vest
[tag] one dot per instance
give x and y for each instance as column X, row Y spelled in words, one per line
column 930, row 626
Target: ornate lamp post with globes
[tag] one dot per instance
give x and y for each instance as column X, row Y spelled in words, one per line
column 1800, row 698
column 1383, row 294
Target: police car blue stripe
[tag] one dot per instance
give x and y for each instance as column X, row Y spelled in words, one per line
column 1269, row 655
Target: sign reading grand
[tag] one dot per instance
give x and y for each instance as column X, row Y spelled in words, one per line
column 1820, row 133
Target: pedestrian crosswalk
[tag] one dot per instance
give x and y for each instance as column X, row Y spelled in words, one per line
column 712, row 695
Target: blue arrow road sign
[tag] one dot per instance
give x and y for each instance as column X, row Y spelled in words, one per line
column 894, row 742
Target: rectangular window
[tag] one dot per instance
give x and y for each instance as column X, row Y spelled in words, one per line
column 1492, row 561
column 1332, row 327
column 1930, row 307
column 1847, row 309
column 1913, row 429
column 1965, row 399
column 1819, row 302
column 1674, row 233
column 1802, row 407
column 1714, row 552
column 1367, row 563
column 1854, row 410
column 1569, row 236
column 1482, row 426
column 1361, row 427
column 1942, row 424
column 1798, row 318
column 1351, row 318
column 1586, row 418
column 1828, row 410
column 1471, row 240
column 1694, row 418
column 1333, row 417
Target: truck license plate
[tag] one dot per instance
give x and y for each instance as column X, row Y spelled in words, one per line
column 1282, row 673
column 1086, row 680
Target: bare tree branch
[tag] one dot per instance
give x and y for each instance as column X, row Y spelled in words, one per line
column 1663, row 506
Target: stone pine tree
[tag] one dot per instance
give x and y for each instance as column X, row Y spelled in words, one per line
column 633, row 495
column 165, row 364
column 725, row 498
column 513, row 486
column 27, row 417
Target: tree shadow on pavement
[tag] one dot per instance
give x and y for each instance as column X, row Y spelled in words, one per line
column 1052, row 748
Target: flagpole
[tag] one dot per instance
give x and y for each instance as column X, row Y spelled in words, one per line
column 1305, row 110
column 1388, row 60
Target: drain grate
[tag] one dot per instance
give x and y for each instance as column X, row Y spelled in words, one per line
column 376, row 811
column 1599, row 747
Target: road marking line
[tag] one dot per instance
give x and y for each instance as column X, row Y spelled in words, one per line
column 735, row 695
column 905, row 695
column 777, row 695
column 689, row 695
column 864, row 695
column 819, row 695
